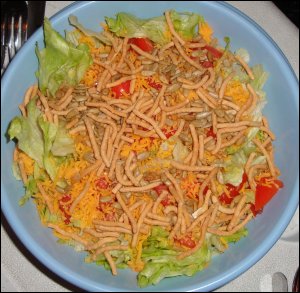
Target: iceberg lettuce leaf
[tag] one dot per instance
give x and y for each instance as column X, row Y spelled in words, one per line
column 60, row 62
column 63, row 144
column 28, row 133
column 37, row 137
column 30, row 190
column 99, row 36
column 161, row 260
column 236, row 236
column 156, row 28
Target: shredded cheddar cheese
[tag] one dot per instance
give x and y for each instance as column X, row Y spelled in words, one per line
column 86, row 211
column 191, row 186
column 91, row 76
column 209, row 158
column 136, row 263
column 236, row 90
column 28, row 163
column 206, row 31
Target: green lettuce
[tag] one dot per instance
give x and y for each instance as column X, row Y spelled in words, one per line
column 161, row 260
column 37, row 137
column 234, row 168
column 244, row 54
column 30, row 190
column 63, row 144
column 28, row 133
column 260, row 77
column 185, row 23
column 60, row 62
column 71, row 242
column 218, row 244
column 16, row 171
column 49, row 132
column 39, row 173
column 97, row 36
column 50, row 218
column 73, row 37
column 236, row 236
column 156, row 28
column 227, row 42
column 121, row 257
column 235, row 163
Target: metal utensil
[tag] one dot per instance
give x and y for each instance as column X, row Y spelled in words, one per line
column 13, row 30
column 279, row 282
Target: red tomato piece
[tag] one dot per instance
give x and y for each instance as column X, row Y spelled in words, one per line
column 186, row 241
column 102, row 183
column 224, row 198
column 168, row 133
column 206, row 64
column 143, row 43
column 255, row 213
column 65, row 198
column 166, row 201
column 211, row 133
column 122, row 88
column 154, row 84
column 65, row 207
column 265, row 191
column 233, row 191
column 215, row 52
column 160, row 188
column 205, row 190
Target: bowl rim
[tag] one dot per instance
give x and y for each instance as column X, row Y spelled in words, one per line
column 78, row 280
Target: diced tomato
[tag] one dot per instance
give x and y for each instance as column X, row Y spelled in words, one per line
column 206, row 64
column 265, row 190
column 67, row 220
column 233, row 191
column 122, row 88
column 215, row 52
column 168, row 200
column 66, row 198
column 211, row 133
column 255, row 213
column 102, row 183
column 168, row 133
column 160, row 188
column 154, row 84
column 186, row 241
column 165, row 202
column 65, row 207
column 143, row 43
column 205, row 190
column 224, row 198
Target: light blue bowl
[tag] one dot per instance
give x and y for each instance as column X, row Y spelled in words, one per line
column 282, row 111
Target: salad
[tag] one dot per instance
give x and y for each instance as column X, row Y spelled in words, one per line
column 144, row 143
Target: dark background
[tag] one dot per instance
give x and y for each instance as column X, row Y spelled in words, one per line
column 290, row 9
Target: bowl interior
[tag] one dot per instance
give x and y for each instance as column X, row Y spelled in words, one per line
column 282, row 111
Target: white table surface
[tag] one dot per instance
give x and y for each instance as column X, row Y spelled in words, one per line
column 21, row 272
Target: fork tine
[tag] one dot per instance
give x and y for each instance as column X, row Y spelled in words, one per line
column 14, row 20
column 3, row 45
column 17, row 32
column 10, row 37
